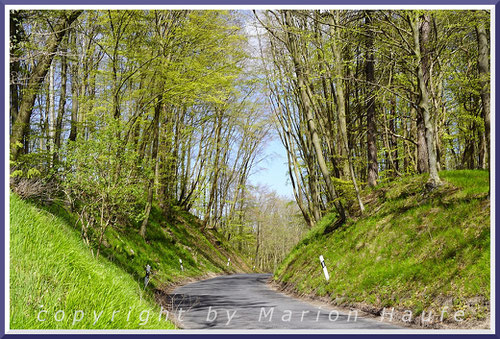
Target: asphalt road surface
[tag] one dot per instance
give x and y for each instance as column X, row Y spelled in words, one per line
column 244, row 301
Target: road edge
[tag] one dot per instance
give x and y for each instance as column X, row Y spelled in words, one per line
column 371, row 312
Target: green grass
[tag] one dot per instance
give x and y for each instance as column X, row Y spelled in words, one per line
column 168, row 239
column 52, row 269
column 410, row 250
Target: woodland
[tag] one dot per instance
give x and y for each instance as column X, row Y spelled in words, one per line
column 118, row 112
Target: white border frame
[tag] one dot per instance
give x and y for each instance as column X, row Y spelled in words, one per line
column 249, row 7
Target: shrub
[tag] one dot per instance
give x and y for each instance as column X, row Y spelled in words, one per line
column 104, row 181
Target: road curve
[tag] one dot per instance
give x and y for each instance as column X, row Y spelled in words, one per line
column 244, row 301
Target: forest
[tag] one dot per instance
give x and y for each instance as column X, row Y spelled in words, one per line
column 118, row 112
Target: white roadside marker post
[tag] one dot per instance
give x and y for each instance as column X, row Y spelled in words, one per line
column 228, row 261
column 182, row 267
column 322, row 260
column 146, row 278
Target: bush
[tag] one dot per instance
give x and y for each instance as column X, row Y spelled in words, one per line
column 345, row 191
column 104, row 182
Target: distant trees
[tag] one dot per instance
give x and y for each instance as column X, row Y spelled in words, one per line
column 272, row 226
column 364, row 96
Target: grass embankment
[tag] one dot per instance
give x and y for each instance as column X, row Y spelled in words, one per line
column 411, row 250
column 168, row 239
column 52, row 270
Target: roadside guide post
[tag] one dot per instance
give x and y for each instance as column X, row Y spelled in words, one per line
column 322, row 260
column 146, row 278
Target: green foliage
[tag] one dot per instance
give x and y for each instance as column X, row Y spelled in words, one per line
column 105, row 180
column 345, row 191
column 16, row 173
column 32, row 172
column 167, row 111
column 33, row 165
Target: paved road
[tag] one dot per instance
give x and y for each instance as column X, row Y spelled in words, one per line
column 244, row 301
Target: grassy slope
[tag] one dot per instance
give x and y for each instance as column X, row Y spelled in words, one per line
column 170, row 238
column 411, row 250
column 51, row 267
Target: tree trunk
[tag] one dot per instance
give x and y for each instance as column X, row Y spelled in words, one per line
column 74, row 91
column 311, row 125
column 257, row 246
column 154, row 158
column 421, row 41
column 484, row 76
column 35, row 81
column 62, row 104
column 337, row 52
column 16, row 36
column 422, row 154
column 371, row 124
column 394, row 139
column 52, row 113
column 215, row 175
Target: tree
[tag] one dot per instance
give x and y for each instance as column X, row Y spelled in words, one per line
column 483, row 65
column 36, row 79
column 371, row 124
column 180, row 109
column 420, row 26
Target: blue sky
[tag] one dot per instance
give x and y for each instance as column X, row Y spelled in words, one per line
column 272, row 170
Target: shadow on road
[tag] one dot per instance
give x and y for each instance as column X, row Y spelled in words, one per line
column 244, row 301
